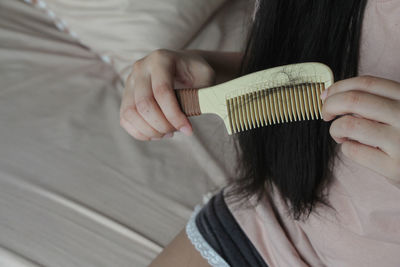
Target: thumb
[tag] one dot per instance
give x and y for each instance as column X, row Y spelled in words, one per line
column 194, row 73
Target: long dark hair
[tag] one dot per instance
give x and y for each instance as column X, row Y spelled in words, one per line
column 296, row 157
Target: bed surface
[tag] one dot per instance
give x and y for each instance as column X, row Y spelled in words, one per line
column 75, row 189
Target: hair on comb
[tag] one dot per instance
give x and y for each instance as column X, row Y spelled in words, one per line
column 277, row 95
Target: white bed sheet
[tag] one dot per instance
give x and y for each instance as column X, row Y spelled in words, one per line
column 75, row 189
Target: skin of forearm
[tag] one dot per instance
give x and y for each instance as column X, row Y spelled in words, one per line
column 225, row 64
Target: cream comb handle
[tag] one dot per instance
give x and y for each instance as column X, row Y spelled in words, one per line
column 281, row 94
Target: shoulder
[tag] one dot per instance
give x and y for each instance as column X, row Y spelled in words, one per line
column 212, row 238
column 180, row 253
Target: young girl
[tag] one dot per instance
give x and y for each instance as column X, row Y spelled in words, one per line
column 311, row 193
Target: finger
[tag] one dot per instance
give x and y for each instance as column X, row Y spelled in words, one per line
column 378, row 86
column 196, row 73
column 136, row 121
column 127, row 97
column 372, row 158
column 132, row 131
column 367, row 105
column 148, row 108
column 367, row 132
column 162, row 81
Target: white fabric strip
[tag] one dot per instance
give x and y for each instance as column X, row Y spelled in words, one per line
column 201, row 245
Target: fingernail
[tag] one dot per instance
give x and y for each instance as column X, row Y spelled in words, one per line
column 323, row 95
column 168, row 135
column 186, row 130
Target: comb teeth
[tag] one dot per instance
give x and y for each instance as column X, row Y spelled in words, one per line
column 275, row 105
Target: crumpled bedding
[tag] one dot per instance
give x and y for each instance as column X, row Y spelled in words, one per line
column 122, row 31
column 75, row 188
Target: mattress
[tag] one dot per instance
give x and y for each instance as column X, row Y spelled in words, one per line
column 75, row 188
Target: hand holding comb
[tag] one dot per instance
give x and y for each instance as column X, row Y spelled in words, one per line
column 277, row 95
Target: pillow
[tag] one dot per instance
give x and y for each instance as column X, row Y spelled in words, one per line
column 123, row 31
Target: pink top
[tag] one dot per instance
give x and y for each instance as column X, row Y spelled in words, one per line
column 365, row 230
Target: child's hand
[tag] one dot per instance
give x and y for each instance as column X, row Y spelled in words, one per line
column 369, row 131
column 149, row 108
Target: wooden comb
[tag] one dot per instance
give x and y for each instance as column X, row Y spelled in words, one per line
column 277, row 95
